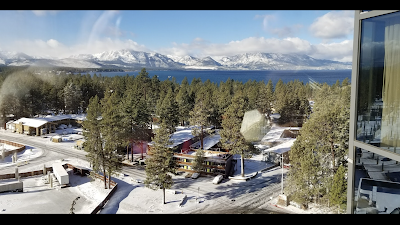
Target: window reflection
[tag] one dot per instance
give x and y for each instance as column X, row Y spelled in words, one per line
column 378, row 102
column 377, row 187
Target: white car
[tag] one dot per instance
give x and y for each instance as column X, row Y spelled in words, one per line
column 217, row 179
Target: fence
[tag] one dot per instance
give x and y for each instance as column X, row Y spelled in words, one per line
column 102, row 204
column 26, row 174
column 20, row 147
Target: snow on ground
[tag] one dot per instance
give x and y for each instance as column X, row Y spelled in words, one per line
column 131, row 197
column 6, row 147
column 69, row 134
column 40, row 198
column 22, row 156
column 312, row 208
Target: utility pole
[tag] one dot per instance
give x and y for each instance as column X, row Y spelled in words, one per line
column 282, row 173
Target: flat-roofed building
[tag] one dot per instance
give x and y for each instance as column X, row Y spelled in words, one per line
column 44, row 125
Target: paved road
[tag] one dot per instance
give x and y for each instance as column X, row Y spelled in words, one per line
column 55, row 151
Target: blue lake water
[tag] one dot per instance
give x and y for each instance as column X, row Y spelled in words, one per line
column 321, row 76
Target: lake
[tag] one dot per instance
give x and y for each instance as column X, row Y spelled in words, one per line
column 321, row 76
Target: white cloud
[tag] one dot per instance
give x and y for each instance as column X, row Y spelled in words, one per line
column 44, row 12
column 54, row 49
column 341, row 51
column 335, row 24
column 53, row 43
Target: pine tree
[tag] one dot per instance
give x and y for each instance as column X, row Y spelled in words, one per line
column 224, row 97
column 321, row 147
column 168, row 112
column 279, row 96
column 112, row 132
column 199, row 117
column 306, row 172
column 72, row 97
column 265, row 98
column 338, row 191
column 198, row 162
column 160, row 165
column 184, row 101
column 202, row 111
column 93, row 138
column 231, row 138
column 135, row 118
column 251, row 88
column 153, row 97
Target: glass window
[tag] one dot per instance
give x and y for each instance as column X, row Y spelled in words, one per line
column 376, row 184
column 378, row 97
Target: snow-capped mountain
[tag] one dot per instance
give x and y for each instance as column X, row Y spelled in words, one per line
column 278, row 61
column 15, row 58
column 190, row 62
column 131, row 59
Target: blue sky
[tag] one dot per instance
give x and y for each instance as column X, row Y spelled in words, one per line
column 321, row 34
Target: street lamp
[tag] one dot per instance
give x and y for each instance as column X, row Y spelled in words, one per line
column 72, row 206
column 282, row 173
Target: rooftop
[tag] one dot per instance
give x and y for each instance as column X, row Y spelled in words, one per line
column 37, row 122
column 208, row 142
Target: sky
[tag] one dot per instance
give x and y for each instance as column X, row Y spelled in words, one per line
column 322, row 34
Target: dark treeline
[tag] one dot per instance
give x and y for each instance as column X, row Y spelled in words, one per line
column 30, row 91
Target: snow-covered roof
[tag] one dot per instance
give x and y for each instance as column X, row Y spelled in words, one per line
column 11, row 121
column 274, row 134
column 31, row 122
column 181, row 135
column 37, row 122
column 208, row 141
column 282, row 148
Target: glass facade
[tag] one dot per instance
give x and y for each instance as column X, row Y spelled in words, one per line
column 378, row 97
column 377, row 187
column 374, row 144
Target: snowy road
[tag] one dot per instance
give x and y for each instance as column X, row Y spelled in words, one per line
column 50, row 151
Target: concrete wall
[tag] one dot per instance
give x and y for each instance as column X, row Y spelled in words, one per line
column 20, row 147
column 13, row 186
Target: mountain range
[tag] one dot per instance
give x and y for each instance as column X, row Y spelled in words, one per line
column 131, row 60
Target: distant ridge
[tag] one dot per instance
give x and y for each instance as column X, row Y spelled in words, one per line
column 130, row 59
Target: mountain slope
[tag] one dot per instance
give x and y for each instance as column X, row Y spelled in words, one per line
column 277, row 61
column 130, row 59
column 190, row 62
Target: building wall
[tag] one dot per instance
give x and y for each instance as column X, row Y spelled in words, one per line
column 223, row 167
column 374, row 104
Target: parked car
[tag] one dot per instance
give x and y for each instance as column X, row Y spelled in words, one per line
column 195, row 175
column 217, row 179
